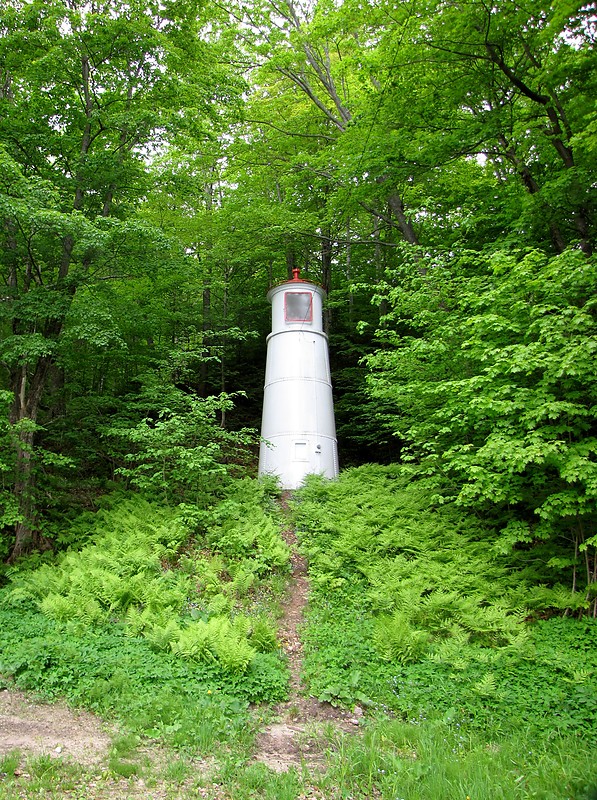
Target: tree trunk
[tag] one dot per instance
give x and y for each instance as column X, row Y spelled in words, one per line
column 290, row 261
column 379, row 266
column 558, row 132
column 27, row 391
column 326, row 276
column 224, row 341
column 349, row 274
column 206, row 337
column 406, row 228
column 532, row 187
column 27, row 537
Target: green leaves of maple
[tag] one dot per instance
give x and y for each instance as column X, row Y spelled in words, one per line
column 177, row 450
column 496, row 390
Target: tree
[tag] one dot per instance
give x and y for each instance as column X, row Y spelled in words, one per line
column 89, row 93
column 512, row 84
column 490, row 371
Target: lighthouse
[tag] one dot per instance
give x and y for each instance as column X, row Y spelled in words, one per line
column 298, row 429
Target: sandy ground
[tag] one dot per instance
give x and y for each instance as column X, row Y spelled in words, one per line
column 51, row 729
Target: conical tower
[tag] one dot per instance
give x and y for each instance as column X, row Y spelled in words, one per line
column 298, row 428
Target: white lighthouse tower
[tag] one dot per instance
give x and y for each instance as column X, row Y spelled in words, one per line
column 298, row 430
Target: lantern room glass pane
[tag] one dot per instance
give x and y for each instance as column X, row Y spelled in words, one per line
column 298, row 307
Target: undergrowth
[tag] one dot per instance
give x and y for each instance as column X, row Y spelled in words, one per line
column 413, row 613
column 398, row 760
column 165, row 619
column 474, row 687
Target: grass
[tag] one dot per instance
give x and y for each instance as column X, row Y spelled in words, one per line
column 391, row 760
column 432, row 759
column 37, row 776
column 469, row 713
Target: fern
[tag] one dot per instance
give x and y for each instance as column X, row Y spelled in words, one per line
column 234, row 653
column 431, row 580
column 262, row 635
column 581, row 675
column 397, row 640
column 241, row 626
column 91, row 612
column 166, row 592
column 243, row 528
column 558, row 597
column 243, row 581
column 129, row 573
column 219, row 604
column 58, row 607
column 39, row 583
column 487, row 686
column 453, row 649
column 136, row 620
column 520, row 643
column 141, row 620
column 216, row 639
column 209, row 572
column 161, row 637
column 196, row 640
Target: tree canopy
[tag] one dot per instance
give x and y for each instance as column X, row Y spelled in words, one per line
column 431, row 164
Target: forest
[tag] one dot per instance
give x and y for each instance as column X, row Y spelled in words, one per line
column 432, row 165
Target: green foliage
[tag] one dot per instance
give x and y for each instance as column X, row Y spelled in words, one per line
column 216, row 639
column 413, row 611
column 435, row 758
column 123, row 567
column 262, row 635
column 74, row 171
column 48, row 467
column 493, row 385
column 154, row 694
column 177, row 449
column 240, row 530
column 146, row 575
column 9, row 507
column 382, row 534
column 397, row 640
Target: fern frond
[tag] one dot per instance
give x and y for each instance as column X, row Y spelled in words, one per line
column 58, row 607
column 234, row 652
column 161, row 637
column 486, row 687
column 396, row 640
column 194, row 642
column 262, row 635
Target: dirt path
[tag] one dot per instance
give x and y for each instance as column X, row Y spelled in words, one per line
column 302, row 731
column 300, row 734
